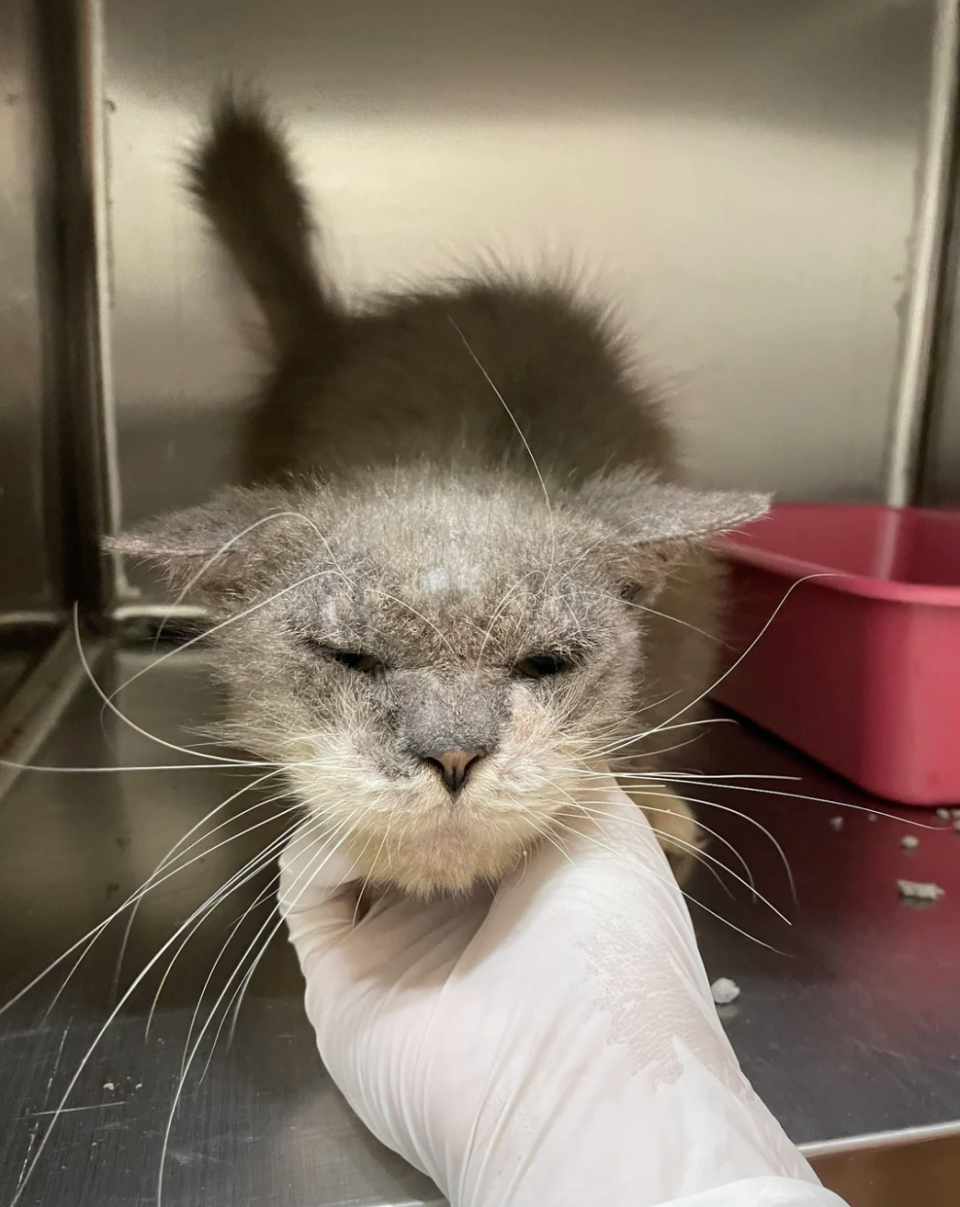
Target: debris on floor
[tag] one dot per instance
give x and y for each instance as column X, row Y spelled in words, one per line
column 836, row 823
column 725, row 991
column 914, row 890
column 943, row 814
column 909, row 842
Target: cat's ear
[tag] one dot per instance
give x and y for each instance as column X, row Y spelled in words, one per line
column 219, row 549
column 652, row 523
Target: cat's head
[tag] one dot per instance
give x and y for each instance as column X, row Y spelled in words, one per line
column 434, row 658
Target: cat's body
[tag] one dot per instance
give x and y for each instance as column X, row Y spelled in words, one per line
column 480, row 578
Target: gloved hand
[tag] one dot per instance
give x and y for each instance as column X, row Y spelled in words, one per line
column 550, row 1044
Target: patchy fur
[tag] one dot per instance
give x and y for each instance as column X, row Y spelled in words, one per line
column 464, row 532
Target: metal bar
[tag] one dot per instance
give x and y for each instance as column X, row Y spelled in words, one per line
column 65, row 38
column 910, row 407
column 881, row 1140
column 29, row 716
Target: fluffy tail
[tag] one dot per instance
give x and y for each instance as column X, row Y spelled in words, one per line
column 246, row 184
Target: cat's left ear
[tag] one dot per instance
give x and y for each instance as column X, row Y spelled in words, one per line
column 653, row 524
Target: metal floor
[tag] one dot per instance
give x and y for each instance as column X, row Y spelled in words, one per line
column 851, row 1027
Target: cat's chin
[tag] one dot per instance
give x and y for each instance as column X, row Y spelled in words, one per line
column 444, row 855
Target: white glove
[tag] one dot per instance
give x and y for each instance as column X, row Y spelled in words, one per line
column 551, row 1044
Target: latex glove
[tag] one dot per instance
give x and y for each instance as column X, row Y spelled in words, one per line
column 552, row 1044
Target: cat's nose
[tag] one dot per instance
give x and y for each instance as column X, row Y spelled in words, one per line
column 453, row 765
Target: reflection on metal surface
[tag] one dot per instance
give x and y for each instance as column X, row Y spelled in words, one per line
column 740, row 174
column 265, row 1126
column 29, row 593
column 43, row 679
column 853, row 1030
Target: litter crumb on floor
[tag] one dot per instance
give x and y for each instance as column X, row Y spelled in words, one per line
column 836, row 823
column 108, row 1085
column 955, row 813
column 943, row 814
column 871, row 817
column 909, row 842
column 725, row 991
column 914, row 890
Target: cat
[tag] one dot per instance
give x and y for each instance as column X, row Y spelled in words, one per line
column 464, row 571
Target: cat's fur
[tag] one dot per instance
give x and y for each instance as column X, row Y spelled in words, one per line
column 443, row 486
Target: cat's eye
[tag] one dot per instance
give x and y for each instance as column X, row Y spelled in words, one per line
column 353, row 660
column 356, row 660
column 541, row 666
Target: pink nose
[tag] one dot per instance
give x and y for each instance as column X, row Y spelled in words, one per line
column 454, row 765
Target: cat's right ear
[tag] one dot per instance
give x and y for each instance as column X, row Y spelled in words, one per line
column 219, row 549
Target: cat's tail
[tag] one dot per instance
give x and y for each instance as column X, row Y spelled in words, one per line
column 247, row 187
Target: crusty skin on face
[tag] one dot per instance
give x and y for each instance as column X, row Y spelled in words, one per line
column 463, row 532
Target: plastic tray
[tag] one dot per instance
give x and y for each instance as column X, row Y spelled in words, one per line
column 860, row 667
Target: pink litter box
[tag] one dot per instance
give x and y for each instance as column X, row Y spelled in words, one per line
column 860, row 667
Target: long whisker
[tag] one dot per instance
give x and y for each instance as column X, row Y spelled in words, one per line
column 503, row 402
column 312, row 870
column 426, row 619
column 693, row 800
column 219, row 758
column 729, row 671
column 137, row 981
column 526, row 444
column 236, row 1002
column 695, row 852
column 278, row 845
column 714, row 834
column 122, row 770
column 630, row 791
column 675, row 620
column 214, row 557
column 192, row 641
column 151, row 883
column 700, row 854
column 622, row 743
column 822, row 800
column 369, row 876
column 176, row 853
column 273, row 847
column 498, row 612
column 671, row 883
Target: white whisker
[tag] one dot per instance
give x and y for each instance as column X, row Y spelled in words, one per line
column 312, row 870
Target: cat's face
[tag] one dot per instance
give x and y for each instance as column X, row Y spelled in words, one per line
column 433, row 662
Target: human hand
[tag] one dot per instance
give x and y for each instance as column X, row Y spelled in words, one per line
column 551, row 1042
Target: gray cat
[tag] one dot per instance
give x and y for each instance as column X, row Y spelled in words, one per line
column 464, row 571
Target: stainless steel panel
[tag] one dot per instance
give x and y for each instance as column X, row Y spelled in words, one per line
column 742, row 174
column 28, row 576
column 849, row 1027
column 941, row 470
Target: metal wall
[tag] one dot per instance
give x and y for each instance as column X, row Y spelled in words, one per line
column 941, row 469
column 29, row 577
column 742, row 174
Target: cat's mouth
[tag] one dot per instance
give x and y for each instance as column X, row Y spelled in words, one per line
column 447, row 846
column 410, row 831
